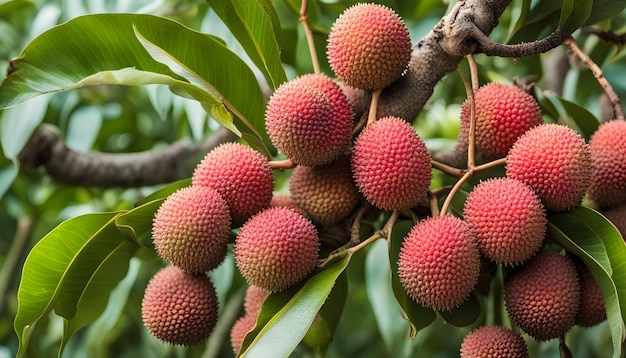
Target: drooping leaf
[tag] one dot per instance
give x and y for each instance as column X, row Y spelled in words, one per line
column 256, row 27
column 574, row 13
column 72, row 270
column 575, row 116
column 286, row 316
column 604, row 10
column 589, row 235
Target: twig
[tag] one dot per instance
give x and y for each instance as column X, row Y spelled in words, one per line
column 473, row 72
column 282, row 164
column 491, row 48
column 434, row 203
column 455, row 188
column 355, row 230
column 371, row 117
column 471, row 147
column 452, row 171
column 14, row 259
column 309, row 37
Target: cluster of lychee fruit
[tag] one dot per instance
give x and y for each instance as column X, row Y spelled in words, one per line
column 339, row 162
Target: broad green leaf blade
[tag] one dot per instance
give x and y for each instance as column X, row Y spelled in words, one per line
column 589, row 235
column 418, row 316
column 575, row 116
column 61, row 265
column 253, row 24
column 286, row 316
column 164, row 192
column 464, row 315
column 604, row 10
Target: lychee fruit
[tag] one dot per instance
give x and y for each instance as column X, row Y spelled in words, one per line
column 276, row 249
column 391, row 164
column 326, row 193
column 309, row 120
column 439, row 262
column 239, row 331
column 287, row 201
column 608, row 174
column 253, row 300
column 503, row 113
column 180, row 308
column 493, row 342
column 555, row 161
column 543, row 297
column 191, row 229
column 241, row 175
column 591, row 311
column 369, row 46
column 617, row 216
column 507, row 218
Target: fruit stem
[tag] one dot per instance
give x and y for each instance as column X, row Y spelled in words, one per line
column 473, row 72
column 371, row 117
column 355, row 231
column 309, row 37
column 365, row 242
column 452, row 171
column 491, row 164
column 455, row 188
column 563, row 349
column 434, row 203
column 282, row 164
column 599, row 76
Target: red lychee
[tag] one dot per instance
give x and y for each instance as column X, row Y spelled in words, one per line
column 391, row 164
column 555, row 161
column 309, row 120
column 191, row 229
column 617, row 216
column 507, row 218
column 591, row 311
column 503, row 113
column 608, row 153
column 439, row 262
column 276, row 249
column 241, row 175
column 543, row 297
column 369, row 46
column 180, row 308
column 239, row 331
column 493, row 342
column 253, row 300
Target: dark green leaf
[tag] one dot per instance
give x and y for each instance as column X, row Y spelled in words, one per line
column 575, row 116
column 464, row 315
column 164, row 192
column 574, row 13
column 604, row 10
column 589, row 235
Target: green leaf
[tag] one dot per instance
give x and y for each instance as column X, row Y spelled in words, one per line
column 72, row 270
column 138, row 221
column 604, row 10
column 286, row 316
column 464, row 315
column 589, row 235
column 575, row 116
column 418, row 316
column 574, row 13
column 164, row 192
column 255, row 25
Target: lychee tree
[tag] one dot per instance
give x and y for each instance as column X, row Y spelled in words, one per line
column 274, row 178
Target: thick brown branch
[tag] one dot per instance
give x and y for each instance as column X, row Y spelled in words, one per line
column 127, row 170
column 491, row 48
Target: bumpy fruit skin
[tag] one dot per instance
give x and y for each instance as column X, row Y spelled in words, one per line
column 327, row 193
column 608, row 153
column 240, row 330
column 253, row 299
column 241, row 175
column 493, row 342
column 555, row 161
column 287, row 201
column 591, row 311
column 439, row 262
column 543, row 297
column 309, row 120
column 191, row 229
column 617, row 216
column 276, row 249
column 391, row 164
column 369, row 46
column 507, row 218
column 503, row 113
column 180, row 308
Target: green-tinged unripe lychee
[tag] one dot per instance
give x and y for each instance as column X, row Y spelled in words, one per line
column 507, row 218
column 543, row 297
column 253, row 299
column 369, row 46
column 591, row 311
column 503, row 113
column 180, row 308
column 493, row 342
column 239, row 331
column 555, row 161
column 276, row 249
column 309, row 120
column 326, row 193
column 191, row 229
column 241, row 175
column 608, row 174
column 439, row 262
column 617, row 216
column 391, row 164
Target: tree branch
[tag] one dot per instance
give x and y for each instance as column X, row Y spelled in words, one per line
column 47, row 148
column 491, row 48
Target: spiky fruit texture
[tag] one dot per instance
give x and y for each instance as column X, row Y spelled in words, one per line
column 617, row 216
column 239, row 331
column 543, row 297
column 309, row 120
column 439, row 262
column 591, row 311
column 555, row 161
column 276, row 249
column 253, row 299
column 608, row 153
column 287, row 201
column 503, row 113
column 191, row 229
column 180, row 308
column 493, row 342
column 241, row 175
column 369, row 46
column 327, row 193
column 507, row 218
column 391, row 164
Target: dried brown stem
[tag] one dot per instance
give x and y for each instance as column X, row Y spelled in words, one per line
column 452, row 171
column 371, row 117
column 491, row 48
column 282, row 164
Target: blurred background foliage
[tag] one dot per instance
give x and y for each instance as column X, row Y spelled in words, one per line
column 117, row 119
